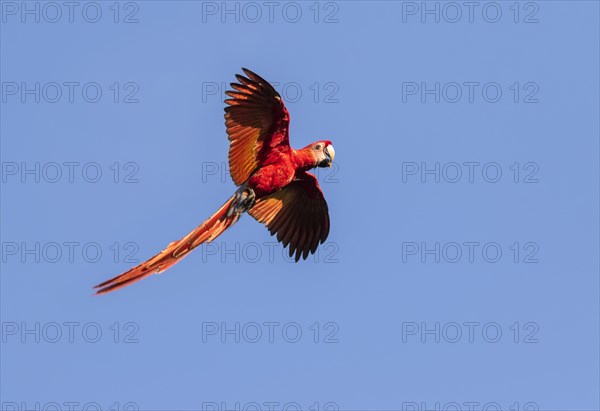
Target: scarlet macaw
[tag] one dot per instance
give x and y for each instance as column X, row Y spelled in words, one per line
column 274, row 185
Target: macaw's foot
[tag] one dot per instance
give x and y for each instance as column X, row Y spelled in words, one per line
column 243, row 201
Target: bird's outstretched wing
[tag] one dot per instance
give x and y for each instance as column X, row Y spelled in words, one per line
column 256, row 121
column 298, row 213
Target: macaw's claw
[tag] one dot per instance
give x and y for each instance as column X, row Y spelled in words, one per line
column 243, row 201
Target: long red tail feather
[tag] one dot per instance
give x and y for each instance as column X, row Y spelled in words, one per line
column 206, row 232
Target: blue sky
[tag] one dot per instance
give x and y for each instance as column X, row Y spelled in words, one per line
column 462, row 263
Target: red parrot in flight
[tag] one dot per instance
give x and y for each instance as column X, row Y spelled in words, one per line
column 274, row 185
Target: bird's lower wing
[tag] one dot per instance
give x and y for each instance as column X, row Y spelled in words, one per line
column 297, row 213
column 206, row 232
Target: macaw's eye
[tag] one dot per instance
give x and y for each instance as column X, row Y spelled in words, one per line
column 318, row 147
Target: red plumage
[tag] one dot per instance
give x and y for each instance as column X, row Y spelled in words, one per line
column 274, row 185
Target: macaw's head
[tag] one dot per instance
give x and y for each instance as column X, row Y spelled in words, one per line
column 323, row 152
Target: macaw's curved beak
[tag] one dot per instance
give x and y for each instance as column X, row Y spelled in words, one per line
column 330, row 154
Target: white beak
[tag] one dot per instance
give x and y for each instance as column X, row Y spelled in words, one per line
column 330, row 152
